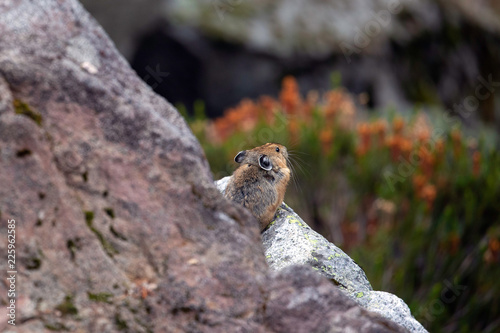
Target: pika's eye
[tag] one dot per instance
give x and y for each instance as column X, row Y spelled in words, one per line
column 277, row 149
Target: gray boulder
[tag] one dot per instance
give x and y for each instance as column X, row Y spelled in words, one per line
column 290, row 241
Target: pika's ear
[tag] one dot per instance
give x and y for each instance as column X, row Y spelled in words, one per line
column 240, row 156
column 265, row 163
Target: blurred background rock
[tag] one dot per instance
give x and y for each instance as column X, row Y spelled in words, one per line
column 392, row 106
column 400, row 52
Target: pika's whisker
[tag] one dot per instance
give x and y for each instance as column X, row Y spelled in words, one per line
column 299, row 162
column 291, row 162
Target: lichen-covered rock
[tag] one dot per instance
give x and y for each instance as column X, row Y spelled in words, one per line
column 284, row 311
column 290, row 241
column 391, row 307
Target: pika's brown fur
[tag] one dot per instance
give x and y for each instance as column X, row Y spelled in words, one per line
column 260, row 182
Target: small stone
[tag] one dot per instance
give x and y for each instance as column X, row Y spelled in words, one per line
column 89, row 67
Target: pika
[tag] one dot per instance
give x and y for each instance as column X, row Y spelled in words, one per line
column 260, row 181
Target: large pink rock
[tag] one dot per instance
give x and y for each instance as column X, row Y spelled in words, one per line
column 118, row 224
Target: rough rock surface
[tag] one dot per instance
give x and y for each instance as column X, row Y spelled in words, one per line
column 285, row 27
column 398, row 52
column 118, row 224
column 290, row 241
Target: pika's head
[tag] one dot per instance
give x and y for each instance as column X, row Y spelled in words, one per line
column 271, row 156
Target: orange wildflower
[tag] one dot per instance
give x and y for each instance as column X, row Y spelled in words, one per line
column 427, row 161
column 438, row 151
column 428, row 194
column 492, row 254
column 331, row 104
column 364, row 133
column 293, row 128
column 418, row 184
column 391, row 142
column 399, row 145
column 456, row 138
column 494, row 245
column 379, row 128
column 247, row 115
column 405, row 146
column 361, row 150
column 311, row 102
column 268, row 103
column 326, row 139
column 421, row 129
column 338, row 103
column 268, row 107
column 289, row 96
column 442, row 181
column 476, row 163
column 440, row 147
column 453, row 243
column 243, row 117
column 223, row 128
column 398, row 125
column 423, row 136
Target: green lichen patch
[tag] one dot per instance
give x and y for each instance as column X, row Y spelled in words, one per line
column 89, row 218
column 100, row 297
column 291, row 219
column 58, row 327
column 67, row 307
column 360, row 294
column 24, row 109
